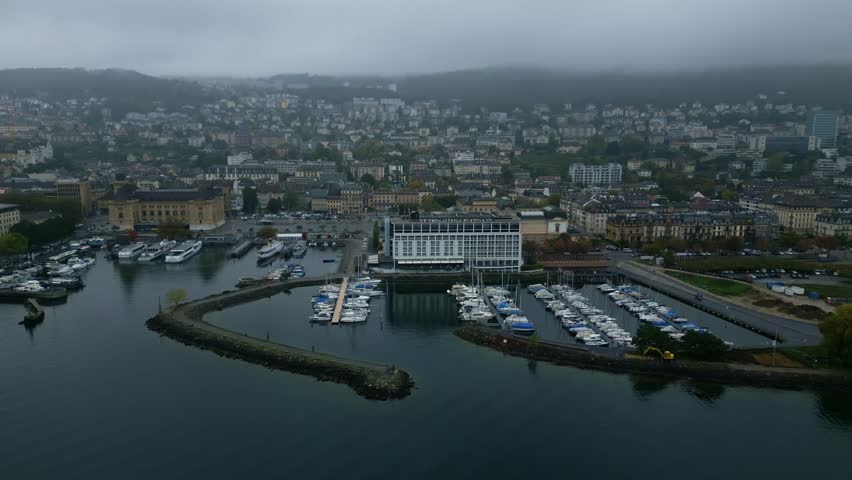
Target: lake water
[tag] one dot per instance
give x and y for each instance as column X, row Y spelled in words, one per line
column 91, row 393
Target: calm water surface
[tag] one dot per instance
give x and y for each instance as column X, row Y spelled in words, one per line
column 91, row 393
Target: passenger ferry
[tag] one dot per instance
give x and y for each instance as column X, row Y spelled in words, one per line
column 131, row 251
column 156, row 251
column 183, row 252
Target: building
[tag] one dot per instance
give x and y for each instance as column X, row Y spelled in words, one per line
column 384, row 200
column 542, row 225
column 80, row 191
column 135, row 210
column 469, row 240
column 638, row 229
column 9, row 216
column 834, row 224
column 375, row 170
column 240, row 158
column 608, row 174
column 258, row 173
column 795, row 213
column 826, row 167
column 824, row 125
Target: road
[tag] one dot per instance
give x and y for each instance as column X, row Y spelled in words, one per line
column 793, row 331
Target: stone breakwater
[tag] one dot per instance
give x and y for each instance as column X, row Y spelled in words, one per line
column 726, row 373
column 184, row 323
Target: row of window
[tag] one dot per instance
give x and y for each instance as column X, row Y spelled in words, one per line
column 456, row 227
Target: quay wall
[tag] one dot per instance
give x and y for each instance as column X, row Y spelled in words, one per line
column 184, row 323
column 726, row 373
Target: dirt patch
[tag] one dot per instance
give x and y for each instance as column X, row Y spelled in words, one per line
column 805, row 312
column 764, row 358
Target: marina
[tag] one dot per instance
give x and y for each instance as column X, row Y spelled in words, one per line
column 101, row 327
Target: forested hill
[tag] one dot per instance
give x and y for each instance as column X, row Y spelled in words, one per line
column 507, row 87
column 125, row 90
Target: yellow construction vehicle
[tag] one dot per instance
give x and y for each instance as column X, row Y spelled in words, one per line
column 667, row 355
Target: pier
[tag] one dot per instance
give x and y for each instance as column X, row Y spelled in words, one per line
column 185, row 324
column 341, row 299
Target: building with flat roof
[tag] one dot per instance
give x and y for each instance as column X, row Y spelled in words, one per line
column 469, row 240
column 824, row 125
column 9, row 216
column 140, row 210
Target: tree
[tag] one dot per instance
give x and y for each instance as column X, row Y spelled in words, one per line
column 650, row 336
column 175, row 296
column 554, row 200
column 729, row 195
column 703, row 346
column 249, row 200
column 376, row 236
column 837, row 334
column 775, row 163
column 290, row 201
column 267, row 232
column 369, row 180
column 13, row 243
column 273, row 205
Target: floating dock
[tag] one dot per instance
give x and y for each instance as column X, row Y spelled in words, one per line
column 241, row 249
column 341, row 299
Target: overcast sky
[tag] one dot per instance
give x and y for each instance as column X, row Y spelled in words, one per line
column 261, row 37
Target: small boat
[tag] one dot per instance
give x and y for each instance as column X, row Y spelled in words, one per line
column 131, row 251
column 300, row 248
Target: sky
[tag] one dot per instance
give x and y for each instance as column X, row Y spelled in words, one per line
column 396, row 37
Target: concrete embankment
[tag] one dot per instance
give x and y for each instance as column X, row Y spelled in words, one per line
column 185, row 324
column 726, row 373
column 50, row 295
column 440, row 281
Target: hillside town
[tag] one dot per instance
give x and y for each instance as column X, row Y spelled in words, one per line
column 630, row 175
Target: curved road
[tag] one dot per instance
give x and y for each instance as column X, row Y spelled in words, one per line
column 794, row 332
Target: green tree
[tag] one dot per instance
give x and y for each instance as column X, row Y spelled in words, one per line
column 290, row 201
column 650, row 336
column 376, row 236
column 175, row 296
column 703, row 346
column 729, row 195
column 775, row 163
column 267, row 232
column 13, row 243
column 273, row 205
column 533, row 343
column 554, row 200
column 837, row 334
column 249, row 200
column 369, row 180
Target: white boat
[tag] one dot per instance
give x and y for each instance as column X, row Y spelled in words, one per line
column 300, row 248
column 156, row 251
column 270, row 250
column 131, row 251
column 183, row 252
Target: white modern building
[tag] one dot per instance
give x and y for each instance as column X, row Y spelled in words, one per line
column 480, row 240
column 254, row 172
column 9, row 216
column 583, row 174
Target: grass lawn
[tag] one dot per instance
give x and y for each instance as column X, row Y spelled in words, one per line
column 716, row 286
column 839, row 290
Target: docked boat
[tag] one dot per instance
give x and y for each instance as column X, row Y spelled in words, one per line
column 156, row 251
column 300, row 248
column 131, row 251
column 183, row 252
column 271, row 249
column 66, row 282
column 96, row 242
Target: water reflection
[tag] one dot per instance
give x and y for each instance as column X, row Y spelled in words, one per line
column 210, row 263
column 425, row 313
column 645, row 386
column 835, row 406
column 708, row 393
